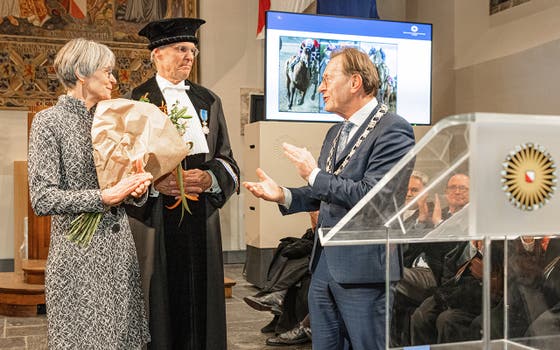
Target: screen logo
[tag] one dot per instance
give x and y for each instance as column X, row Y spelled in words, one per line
column 414, row 31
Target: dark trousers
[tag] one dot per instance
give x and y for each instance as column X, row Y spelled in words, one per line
column 432, row 323
column 345, row 314
column 417, row 284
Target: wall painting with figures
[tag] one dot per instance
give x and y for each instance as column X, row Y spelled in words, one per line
column 32, row 32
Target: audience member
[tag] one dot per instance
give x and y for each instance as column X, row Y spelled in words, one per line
column 420, row 212
column 447, row 315
column 286, row 289
column 457, row 195
column 526, row 262
column 300, row 334
column 423, row 263
column 544, row 330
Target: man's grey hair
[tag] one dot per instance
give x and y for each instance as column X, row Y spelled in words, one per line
column 420, row 176
column 81, row 58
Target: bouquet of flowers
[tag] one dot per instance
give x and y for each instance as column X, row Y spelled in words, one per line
column 178, row 116
column 128, row 137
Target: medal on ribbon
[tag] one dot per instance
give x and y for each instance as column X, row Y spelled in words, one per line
column 204, row 118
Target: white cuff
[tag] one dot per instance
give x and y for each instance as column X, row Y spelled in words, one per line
column 313, row 175
column 215, row 188
column 287, row 198
column 153, row 191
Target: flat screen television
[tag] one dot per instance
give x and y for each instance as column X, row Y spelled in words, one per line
column 402, row 52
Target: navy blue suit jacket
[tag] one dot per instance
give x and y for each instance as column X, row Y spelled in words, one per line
column 335, row 195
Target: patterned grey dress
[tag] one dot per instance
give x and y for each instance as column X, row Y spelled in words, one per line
column 94, row 298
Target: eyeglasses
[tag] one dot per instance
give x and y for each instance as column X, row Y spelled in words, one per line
column 185, row 49
column 108, row 71
column 328, row 78
column 459, row 188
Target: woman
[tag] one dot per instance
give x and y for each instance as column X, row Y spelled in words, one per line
column 94, row 299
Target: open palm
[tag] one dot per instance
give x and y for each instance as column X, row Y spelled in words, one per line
column 266, row 188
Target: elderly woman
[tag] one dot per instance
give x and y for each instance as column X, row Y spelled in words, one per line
column 94, row 298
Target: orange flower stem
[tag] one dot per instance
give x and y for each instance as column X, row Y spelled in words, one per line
column 192, row 197
column 174, row 205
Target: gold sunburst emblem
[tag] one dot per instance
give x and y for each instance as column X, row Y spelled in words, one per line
column 529, row 176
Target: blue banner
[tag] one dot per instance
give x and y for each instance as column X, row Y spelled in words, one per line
column 354, row 8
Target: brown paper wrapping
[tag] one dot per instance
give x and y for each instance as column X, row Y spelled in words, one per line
column 125, row 130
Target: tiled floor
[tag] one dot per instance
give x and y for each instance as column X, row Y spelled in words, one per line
column 244, row 323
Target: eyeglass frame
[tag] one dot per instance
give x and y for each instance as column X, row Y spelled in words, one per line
column 184, row 49
column 109, row 71
column 460, row 188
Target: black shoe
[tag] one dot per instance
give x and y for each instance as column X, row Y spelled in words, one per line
column 296, row 335
column 267, row 302
column 271, row 326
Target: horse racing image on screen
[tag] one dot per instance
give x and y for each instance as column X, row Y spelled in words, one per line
column 303, row 60
column 298, row 49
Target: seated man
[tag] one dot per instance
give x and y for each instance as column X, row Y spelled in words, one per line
column 448, row 315
column 300, row 334
column 453, row 267
column 544, row 330
column 526, row 263
column 285, row 292
column 423, row 263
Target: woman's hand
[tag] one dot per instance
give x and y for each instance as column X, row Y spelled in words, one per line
column 134, row 185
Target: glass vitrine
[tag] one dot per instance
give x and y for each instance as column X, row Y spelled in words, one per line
column 472, row 213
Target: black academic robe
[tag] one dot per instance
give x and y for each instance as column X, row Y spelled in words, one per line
column 186, row 289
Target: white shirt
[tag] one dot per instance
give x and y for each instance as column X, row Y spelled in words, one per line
column 175, row 93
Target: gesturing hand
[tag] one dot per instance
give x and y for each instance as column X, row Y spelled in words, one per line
column 302, row 159
column 436, row 216
column 423, row 209
column 266, row 189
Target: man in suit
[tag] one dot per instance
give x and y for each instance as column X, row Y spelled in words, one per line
column 420, row 212
column 457, row 195
column 426, row 216
column 347, row 292
column 435, row 321
column 186, row 295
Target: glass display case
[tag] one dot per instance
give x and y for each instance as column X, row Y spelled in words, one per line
column 471, row 211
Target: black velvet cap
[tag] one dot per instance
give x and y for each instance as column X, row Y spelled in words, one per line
column 171, row 30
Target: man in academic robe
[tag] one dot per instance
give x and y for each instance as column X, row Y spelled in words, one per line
column 186, row 290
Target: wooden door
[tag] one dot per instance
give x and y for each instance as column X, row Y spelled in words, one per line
column 38, row 227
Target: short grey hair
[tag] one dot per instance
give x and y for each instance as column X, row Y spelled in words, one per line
column 81, row 57
column 420, row 176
